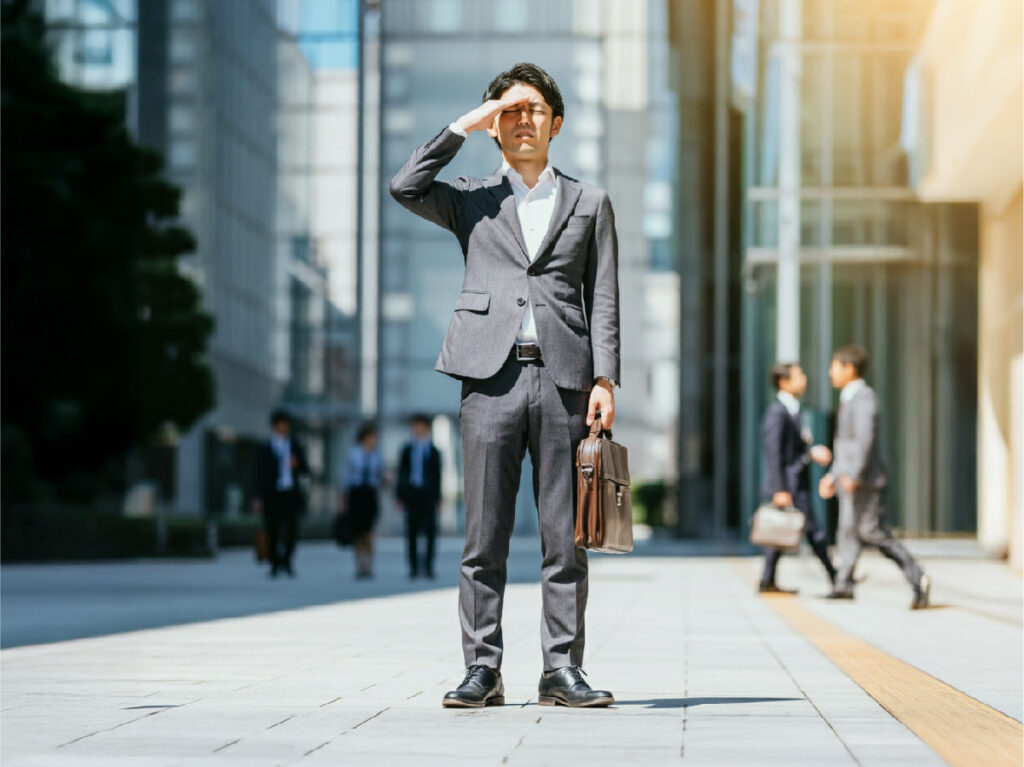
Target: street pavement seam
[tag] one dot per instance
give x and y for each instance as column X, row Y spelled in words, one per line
column 800, row 688
column 962, row 730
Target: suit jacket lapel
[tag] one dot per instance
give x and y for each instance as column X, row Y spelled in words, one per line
column 501, row 188
column 568, row 194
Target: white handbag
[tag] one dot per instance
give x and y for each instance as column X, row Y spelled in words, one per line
column 777, row 528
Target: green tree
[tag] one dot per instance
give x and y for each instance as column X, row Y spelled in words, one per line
column 103, row 340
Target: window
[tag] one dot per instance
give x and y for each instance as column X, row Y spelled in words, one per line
column 444, row 16
column 511, row 15
column 184, row 10
column 182, row 118
column 183, row 153
column 183, row 47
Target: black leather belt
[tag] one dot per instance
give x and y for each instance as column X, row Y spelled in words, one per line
column 526, row 352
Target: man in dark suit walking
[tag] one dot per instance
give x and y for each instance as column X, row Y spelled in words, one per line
column 419, row 492
column 858, row 477
column 787, row 450
column 280, row 462
column 535, row 341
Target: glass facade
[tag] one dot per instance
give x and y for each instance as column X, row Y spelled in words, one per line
column 874, row 266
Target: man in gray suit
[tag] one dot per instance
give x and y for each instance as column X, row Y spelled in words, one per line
column 859, row 478
column 535, row 341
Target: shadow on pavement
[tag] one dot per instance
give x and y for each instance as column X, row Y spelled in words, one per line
column 691, row 702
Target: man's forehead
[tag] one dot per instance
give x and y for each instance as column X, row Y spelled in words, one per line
column 523, row 90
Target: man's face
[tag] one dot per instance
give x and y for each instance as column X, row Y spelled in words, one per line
column 282, row 427
column 524, row 131
column 796, row 384
column 841, row 374
column 420, row 430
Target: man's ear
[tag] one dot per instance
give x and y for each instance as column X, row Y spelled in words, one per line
column 492, row 129
column 556, row 126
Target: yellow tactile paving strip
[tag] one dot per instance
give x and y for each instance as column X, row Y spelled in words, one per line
column 962, row 730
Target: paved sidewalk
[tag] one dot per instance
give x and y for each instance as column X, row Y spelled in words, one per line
column 704, row 671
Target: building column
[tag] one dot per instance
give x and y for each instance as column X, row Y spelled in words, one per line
column 788, row 274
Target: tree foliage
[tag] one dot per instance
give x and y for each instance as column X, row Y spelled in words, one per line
column 103, row 339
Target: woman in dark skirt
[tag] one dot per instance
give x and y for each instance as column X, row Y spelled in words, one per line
column 362, row 483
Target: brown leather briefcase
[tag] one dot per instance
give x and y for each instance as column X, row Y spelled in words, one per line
column 604, row 510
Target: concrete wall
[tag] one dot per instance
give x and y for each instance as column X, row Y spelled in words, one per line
column 1001, row 382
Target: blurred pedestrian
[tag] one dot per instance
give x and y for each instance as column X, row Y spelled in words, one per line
column 419, row 492
column 858, row 477
column 535, row 342
column 363, row 475
column 280, row 462
column 788, row 449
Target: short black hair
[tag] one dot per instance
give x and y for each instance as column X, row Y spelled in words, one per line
column 781, row 371
column 525, row 73
column 422, row 418
column 278, row 415
column 365, row 431
column 853, row 355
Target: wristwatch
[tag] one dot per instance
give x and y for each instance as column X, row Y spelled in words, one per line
column 612, row 381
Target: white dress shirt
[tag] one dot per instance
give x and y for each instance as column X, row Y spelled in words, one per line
column 791, row 403
column 850, row 390
column 534, row 208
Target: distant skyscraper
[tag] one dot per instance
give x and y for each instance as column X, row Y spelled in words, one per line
column 202, row 84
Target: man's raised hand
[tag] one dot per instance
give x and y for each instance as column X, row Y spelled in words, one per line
column 483, row 116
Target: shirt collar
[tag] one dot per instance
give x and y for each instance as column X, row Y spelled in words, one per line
column 791, row 403
column 548, row 174
column 850, row 390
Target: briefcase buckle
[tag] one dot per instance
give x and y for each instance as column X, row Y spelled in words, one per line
column 588, row 473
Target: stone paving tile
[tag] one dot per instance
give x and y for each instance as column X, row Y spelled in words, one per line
column 703, row 670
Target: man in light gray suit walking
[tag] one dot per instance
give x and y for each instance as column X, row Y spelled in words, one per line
column 858, row 477
column 535, row 341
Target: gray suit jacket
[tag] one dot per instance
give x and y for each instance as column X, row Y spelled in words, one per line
column 855, row 445
column 572, row 283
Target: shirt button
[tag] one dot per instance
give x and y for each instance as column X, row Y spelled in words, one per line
column 520, row 301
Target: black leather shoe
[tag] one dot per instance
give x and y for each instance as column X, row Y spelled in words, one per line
column 566, row 687
column 771, row 588
column 481, row 687
column 840, row 594
column 922, row 593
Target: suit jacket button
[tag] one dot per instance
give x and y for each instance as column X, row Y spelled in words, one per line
column 520, row 301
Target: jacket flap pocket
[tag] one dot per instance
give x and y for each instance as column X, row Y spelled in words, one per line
column 473, row 301
column 574, row 316
column 581, row 220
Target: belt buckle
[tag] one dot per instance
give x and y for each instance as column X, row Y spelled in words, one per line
column 519, row 354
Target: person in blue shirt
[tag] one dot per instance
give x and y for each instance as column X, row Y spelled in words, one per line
column 280, row 463
column 363, row 475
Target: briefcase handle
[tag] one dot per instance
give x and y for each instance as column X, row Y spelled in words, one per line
column 595, row 427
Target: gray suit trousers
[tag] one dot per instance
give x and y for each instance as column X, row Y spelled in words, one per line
column 860, row 524
column 521, row 408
